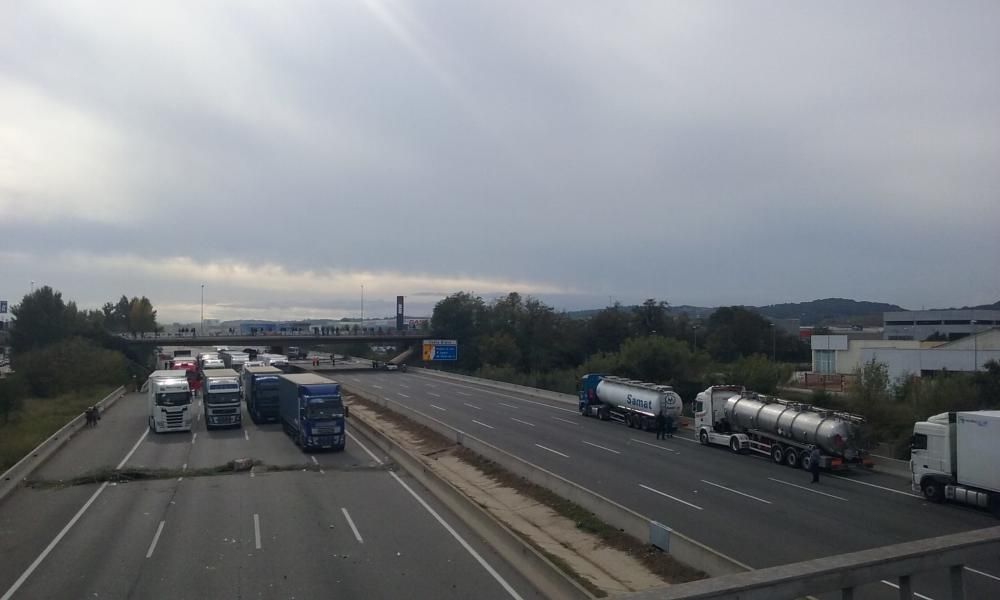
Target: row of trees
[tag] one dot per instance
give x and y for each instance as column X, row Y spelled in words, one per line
column 518, row 338
column 58, row 348
column 891, row 407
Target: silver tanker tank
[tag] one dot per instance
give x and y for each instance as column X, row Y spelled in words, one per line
column 835, row 433
column 646, row 398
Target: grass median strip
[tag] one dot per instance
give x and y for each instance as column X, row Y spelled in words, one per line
column 595, row 545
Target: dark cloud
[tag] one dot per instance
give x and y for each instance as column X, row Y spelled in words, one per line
column 702, row 153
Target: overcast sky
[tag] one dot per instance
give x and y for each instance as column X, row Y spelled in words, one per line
column 284, row 153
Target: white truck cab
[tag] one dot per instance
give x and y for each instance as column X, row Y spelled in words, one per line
column 169, row 401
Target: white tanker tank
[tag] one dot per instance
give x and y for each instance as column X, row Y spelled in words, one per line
column 635, row 403
column 786, row 431
column 835, row 433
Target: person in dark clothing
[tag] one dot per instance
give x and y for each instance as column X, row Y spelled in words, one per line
column 660, row 424
column 669, row 425
column 814, row 464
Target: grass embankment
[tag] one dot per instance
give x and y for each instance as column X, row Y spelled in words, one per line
column 40, row 418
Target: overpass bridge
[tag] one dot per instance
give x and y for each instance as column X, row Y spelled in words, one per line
column 303, row 339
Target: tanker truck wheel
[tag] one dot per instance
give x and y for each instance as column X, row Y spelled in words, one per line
column 933, row 490
column 777, row 454
column 628, row 420
column 792, row 458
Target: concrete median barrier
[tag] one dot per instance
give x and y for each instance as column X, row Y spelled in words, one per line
column 13, row 477
column 684, row 549
column 536, row 568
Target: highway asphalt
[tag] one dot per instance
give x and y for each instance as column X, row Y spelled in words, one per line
column 742, row 505
column 354, row 528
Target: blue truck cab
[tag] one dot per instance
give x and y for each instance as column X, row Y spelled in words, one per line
column 588, row 391
column 260, row 391
column 312, row 411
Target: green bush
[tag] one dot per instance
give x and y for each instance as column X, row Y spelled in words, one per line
column 70, row 365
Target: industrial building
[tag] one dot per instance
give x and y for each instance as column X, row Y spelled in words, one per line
column 943, row 324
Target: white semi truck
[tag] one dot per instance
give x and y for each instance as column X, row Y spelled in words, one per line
column 786, row 431
column 234, row 360
column 954, row 456
column 221, row 398
column 634, row 403
column 169, row 401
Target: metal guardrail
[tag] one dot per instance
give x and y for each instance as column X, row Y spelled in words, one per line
column 37, row 457
column 844, row 572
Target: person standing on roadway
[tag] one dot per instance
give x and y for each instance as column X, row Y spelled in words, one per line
column 660, row 425
column 668, row 424
column 814, row 464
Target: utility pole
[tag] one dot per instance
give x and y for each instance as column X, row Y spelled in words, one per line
column 774, row 343
column 975, row 347
column 362, row 306
column 203, row 309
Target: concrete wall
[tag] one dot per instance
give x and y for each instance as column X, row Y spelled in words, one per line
column 904, row 362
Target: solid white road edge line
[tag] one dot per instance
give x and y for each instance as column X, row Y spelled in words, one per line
column 802, row 487
column 34, row 565
column 599, row 446
column 443, row 523
column 489, row 568
column 256, row 530
column 156, row 538
column 350, row 522
column 483, row 424
column 736, row 491
column 876, row 486
column 655, row 491
column 508, row 396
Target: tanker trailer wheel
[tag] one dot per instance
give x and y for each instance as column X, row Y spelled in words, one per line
column 792, row 458
column 777, row 454
column 933, row 490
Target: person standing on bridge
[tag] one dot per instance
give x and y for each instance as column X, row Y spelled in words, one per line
column 814, row 459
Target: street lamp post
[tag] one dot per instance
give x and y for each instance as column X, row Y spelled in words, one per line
column 203, row 309
column 975, row 348
column 774, row 343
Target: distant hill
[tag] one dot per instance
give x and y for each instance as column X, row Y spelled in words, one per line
column 826, row 311
column 994, row 306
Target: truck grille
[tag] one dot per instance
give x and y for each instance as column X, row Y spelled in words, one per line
column 224, row 411
column 325, row 429
column 175, row 419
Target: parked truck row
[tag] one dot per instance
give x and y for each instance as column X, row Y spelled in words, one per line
column 954, row 455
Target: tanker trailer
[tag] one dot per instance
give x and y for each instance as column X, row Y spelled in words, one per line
column 634, row 403
column 786, row 431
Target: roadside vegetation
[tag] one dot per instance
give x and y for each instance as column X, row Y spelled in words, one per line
column 522, row 340
column 63, row 360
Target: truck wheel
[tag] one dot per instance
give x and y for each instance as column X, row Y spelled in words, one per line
column 584, row 410
column 777, row 453
column 628, row 420
column 703, row 437
column 792, row 458
column 933, row 490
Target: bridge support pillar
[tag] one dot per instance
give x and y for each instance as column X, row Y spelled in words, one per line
column 905, row 588
column 955, row 573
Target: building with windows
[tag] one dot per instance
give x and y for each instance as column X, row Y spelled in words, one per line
column 838, row 355
column 946, row 324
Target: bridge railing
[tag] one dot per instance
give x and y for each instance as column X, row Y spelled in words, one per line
column 895, row 565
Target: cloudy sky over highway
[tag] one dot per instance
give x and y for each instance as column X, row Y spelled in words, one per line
column 285, row 153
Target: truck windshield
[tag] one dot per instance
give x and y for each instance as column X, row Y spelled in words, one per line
column 324, row 408
column 173, row 398
column 222, row 398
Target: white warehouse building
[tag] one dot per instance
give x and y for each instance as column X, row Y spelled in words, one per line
column 951, row 324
